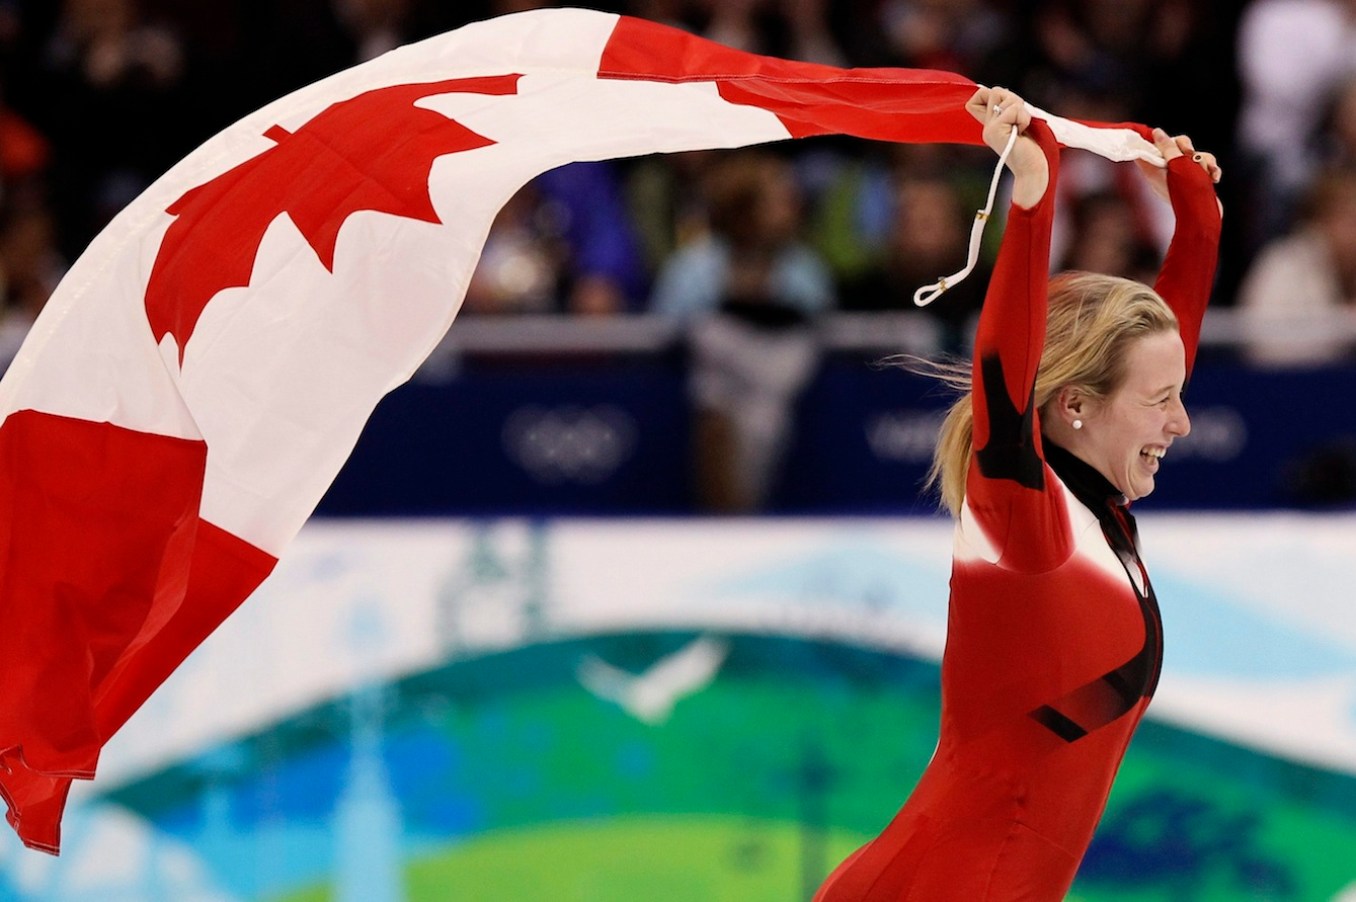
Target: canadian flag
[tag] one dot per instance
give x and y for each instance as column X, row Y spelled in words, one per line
column 205, row 368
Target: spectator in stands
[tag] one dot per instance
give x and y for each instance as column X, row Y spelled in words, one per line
column 1291, row 56
column 664, row 202
column 928, row 239
column 752, row 254
column 1103, row 238
column 954, row 35
column 30, row 268
column 110, row 42
column 562, row 244
column 748, row 292
column 111, row 105
column 1302, row 281
column 1124, row 60
column 337, row 34
column 24, row 151
column 1161, row 57
column 521, row 264
column 856, row 210
column 1336, row 142
column 603, row 270
column 1091, row 67
column 375, row 26
column 797, row 29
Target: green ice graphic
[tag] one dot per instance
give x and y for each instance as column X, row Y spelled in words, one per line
column 516, row 782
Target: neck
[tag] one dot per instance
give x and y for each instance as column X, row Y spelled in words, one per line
column 1087, row 483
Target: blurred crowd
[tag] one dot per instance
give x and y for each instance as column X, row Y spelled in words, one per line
column 98, row 97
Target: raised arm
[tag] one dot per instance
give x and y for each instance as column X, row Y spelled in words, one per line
column 1188, row 271
column 1007, row 489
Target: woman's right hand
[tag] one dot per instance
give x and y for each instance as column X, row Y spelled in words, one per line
column 999, row 110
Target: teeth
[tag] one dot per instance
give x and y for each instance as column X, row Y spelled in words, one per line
column 1155, row 452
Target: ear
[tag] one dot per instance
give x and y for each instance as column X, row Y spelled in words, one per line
column 1071, row 403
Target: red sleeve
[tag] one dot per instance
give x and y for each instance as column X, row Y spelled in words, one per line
column 1009, row 490
column 1189, row 269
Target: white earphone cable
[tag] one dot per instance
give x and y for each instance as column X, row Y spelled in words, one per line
column 929, row 293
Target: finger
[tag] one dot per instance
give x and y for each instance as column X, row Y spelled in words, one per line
column 1167, row 147
column 981, row 105
column 997, row 96
column 1208, row 162
column 978, row 104
column 1007, row 108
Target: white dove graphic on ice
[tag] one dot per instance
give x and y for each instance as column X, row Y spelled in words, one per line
column 649, row 696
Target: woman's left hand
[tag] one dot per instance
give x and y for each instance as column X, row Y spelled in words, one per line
column 1171, row 148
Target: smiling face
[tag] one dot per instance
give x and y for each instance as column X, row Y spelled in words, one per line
column 1126, row 434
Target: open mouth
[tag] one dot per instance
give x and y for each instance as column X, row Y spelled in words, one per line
column 1153, row 456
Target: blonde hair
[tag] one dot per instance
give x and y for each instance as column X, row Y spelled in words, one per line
column 1092, row 320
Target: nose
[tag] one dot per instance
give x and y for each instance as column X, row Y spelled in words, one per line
column 1179, row 423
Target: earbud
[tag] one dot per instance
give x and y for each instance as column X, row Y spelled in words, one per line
column 1078, row 424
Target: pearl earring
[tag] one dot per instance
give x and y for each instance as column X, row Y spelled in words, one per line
column 1078, row 424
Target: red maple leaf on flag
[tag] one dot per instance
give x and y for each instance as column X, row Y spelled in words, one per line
column 371, row 152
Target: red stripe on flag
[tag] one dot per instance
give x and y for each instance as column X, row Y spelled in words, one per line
column 225, row 571
column 97, row 530
column 903, row 105
column 109, row 581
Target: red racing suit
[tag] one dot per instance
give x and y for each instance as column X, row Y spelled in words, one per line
column 1054, row 640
